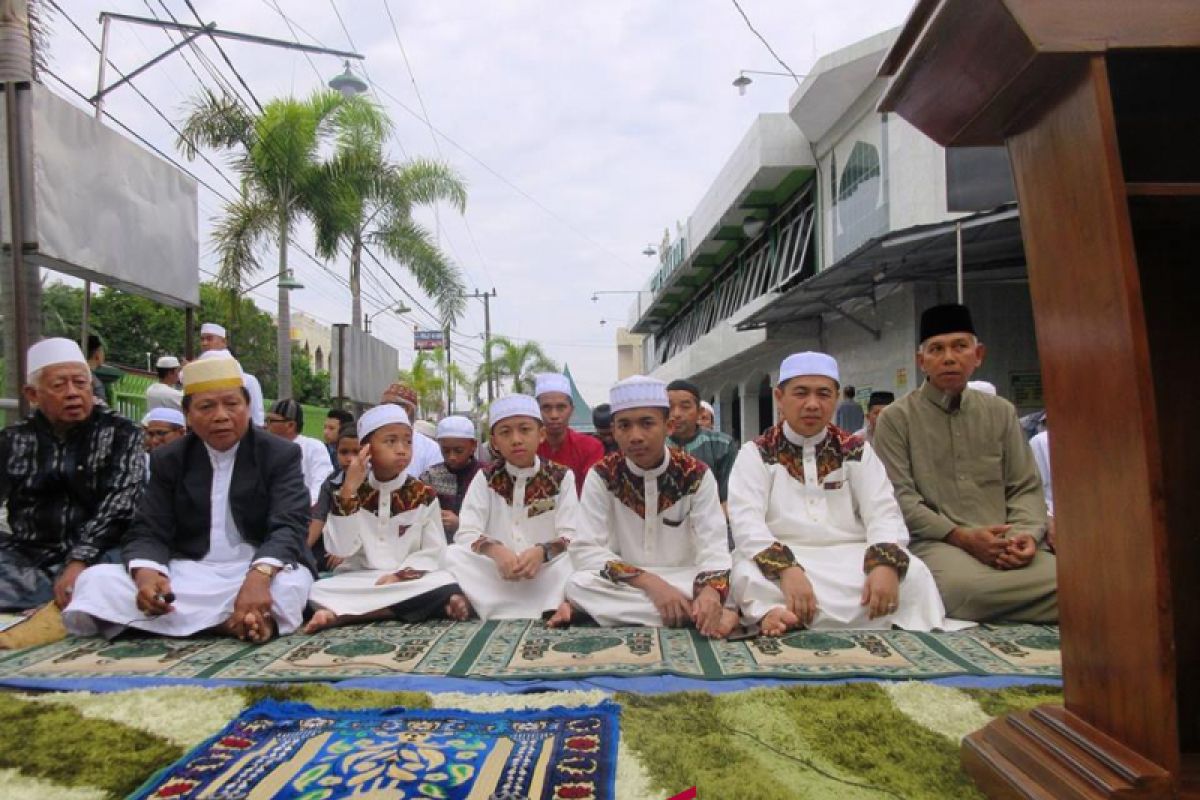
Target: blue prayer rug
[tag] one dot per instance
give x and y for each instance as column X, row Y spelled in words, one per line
column 292, row 751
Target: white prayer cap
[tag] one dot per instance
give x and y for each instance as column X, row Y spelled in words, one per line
column 171, row 416
column 513, row 405
column 707, row 406
column 455, row 428
column 809, row 363
column 167, row 362
column 49, row 352
column 375, row 418
column 213, row 328
column 638, row 391
column 987, row 387
column 551, row 382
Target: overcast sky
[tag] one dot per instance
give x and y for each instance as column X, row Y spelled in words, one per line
column 582, row 129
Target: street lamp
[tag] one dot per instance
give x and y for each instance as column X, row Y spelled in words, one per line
column 398, row 309
column 638, row 292
column 288, row 283
column 743, row 79
column 650, row 251
column 348, row 83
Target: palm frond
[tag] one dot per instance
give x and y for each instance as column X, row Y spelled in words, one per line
column 409, row 244
column 426, row 182
column 239, row 236
column 216, row 121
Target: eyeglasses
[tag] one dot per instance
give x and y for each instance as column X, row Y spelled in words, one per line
column 276, row 420
column 160, row 434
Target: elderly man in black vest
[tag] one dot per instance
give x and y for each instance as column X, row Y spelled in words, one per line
column 219, row 541
column 72, row 476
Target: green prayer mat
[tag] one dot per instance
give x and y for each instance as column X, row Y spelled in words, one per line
column 524, row 649
column 863, row 740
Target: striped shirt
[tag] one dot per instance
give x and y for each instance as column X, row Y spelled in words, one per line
column 70, row 498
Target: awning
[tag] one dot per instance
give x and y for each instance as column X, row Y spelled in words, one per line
column 992, row 250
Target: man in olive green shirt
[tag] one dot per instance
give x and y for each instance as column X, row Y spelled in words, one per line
column 967, row 483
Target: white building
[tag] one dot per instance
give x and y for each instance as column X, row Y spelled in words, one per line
column 830, row 228
column 309, row 334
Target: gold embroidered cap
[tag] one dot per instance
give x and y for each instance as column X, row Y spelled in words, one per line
column 211, row 375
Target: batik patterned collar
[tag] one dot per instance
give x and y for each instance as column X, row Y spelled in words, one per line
column 680, row 478
column 541, row 483
column 836, row 448
column 410, row 495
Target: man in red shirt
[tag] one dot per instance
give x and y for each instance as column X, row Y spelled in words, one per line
column 569, row 448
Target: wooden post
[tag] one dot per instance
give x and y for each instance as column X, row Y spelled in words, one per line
column 1085, row 94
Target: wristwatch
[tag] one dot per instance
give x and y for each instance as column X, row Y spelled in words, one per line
column 265, row 569
column 546, row 553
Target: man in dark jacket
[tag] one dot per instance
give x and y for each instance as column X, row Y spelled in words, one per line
column 219, row 541
column 72, row 476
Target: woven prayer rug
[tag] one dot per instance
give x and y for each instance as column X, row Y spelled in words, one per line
column 290, row 751
column 528, row 650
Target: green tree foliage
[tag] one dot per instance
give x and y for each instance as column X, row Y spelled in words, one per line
column 514, row 362
column 310, row 387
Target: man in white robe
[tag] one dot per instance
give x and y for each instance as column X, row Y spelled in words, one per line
column 517, row 520
column 651, row 546
column 219, row 540
column 819, row 539
column 214, row 344
column 387, row 527
column 286, row 420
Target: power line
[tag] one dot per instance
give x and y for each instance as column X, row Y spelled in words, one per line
column 224, row 55
column 766, row 44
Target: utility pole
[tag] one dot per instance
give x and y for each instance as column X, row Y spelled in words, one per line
column 449, row 378
column 486, row 297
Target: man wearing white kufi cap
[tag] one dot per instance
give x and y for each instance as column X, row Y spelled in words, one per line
column 387, row 527
column 819, row 539
column 72, row 475
column 219, row 540
column 651, row 547
column 516, row 523
column 162, row 393
column 214, row 340
column 561, row 444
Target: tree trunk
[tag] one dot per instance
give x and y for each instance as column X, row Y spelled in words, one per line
column 355, row 286
column 285, row 313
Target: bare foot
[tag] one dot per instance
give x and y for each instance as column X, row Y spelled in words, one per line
column 457, row 608
column 779, row 621
column 562, row 617
column 729, row 621
column 322, row 619
column 259, row 629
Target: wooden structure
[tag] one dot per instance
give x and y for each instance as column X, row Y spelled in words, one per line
column 1097, row 103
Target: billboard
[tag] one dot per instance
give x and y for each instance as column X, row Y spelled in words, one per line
column 370, row 365
column 100, row 207
column 428, row 340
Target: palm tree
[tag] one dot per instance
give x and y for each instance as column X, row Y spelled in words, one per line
column 426, row 380
column 516, row 362
column 276, row 153
column 364, row 199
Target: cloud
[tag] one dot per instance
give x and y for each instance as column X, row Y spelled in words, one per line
column 614, row 114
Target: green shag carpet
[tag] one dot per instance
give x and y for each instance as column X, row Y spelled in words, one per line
column 862, row 740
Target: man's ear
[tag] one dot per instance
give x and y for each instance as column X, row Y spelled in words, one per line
column 980, row 352
column 30, row 393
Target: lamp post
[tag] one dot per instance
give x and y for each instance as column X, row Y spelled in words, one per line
column 743, row 79
column 397, row 310
column 348, row 83
column 638, row 292
column 287, row 282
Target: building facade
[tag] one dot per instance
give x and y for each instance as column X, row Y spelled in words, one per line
column 831, row 228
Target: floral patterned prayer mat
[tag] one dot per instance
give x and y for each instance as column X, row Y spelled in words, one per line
column 290, row 751
column 528, row 650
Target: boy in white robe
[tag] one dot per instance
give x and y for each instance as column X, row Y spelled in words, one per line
column 387, row 526
column 819, row 539
column 651, row 547
column 516, row 522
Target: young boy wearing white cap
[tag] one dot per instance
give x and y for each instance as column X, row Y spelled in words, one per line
column 387, row 526
column 450, row 479
column 651, row 548
column 163, row 393
column 213, row 340
column 561, row 444
column 72, row 477
column 517, row 520
column 819, row 539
